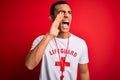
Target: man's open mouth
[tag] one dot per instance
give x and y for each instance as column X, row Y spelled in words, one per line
column 66, row 22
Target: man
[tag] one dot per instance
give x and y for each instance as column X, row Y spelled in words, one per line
column 61, row 52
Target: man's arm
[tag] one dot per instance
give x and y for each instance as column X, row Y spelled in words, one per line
column 35, row 55
column 84, row 72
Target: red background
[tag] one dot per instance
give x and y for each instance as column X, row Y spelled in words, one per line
column 96, row 21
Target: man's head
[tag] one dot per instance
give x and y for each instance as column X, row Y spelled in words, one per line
column 52, row 9
column 62, row 6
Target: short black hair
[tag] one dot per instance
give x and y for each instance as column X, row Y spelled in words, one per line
column 52, row 8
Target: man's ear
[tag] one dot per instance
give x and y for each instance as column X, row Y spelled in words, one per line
column 51, row 17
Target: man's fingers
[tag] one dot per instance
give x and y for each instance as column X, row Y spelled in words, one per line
column 60, row 16
column 61, row 13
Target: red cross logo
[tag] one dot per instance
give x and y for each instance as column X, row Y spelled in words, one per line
column 62, row 65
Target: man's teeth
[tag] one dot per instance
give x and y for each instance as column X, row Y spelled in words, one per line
column 66, row 22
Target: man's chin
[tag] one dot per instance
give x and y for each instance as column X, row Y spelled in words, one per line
column 64, row 31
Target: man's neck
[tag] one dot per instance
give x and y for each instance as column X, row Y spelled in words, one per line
column 63, row 35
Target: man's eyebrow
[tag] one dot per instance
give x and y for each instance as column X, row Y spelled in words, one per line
column 65, row 11
column 62, row 11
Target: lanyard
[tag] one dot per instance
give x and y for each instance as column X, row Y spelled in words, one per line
column 62, row 62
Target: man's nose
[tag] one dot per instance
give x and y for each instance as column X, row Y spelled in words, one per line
column 66, row 15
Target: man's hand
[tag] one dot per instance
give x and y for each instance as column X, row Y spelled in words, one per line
column 54, row 28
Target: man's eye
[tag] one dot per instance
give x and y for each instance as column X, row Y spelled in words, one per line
column 62, row 11
column 70, row 12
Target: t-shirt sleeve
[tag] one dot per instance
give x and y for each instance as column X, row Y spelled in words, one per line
column 36, row 42
column 84, row 57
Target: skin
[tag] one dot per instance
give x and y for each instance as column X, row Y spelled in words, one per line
column 34, row 57
column 58, row 18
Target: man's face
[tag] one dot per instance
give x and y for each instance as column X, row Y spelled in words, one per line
column 64, row 25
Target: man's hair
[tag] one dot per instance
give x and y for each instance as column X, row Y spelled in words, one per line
column 52, row 8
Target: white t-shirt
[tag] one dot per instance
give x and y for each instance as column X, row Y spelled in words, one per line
column 78, row 54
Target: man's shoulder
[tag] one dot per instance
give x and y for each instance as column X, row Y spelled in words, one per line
column 78, row 40
column 39, row 37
